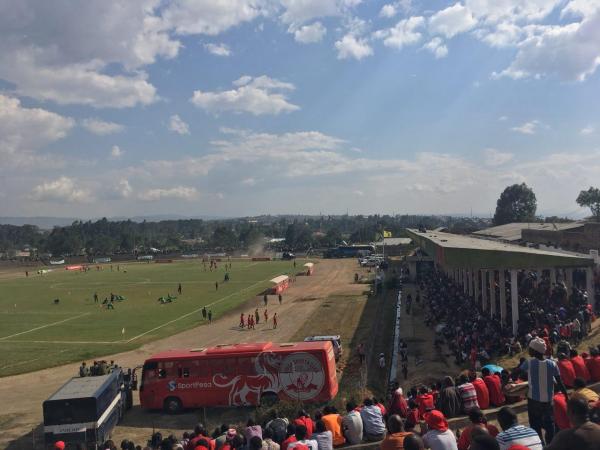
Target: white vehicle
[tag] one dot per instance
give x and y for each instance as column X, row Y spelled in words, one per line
column 336, row 341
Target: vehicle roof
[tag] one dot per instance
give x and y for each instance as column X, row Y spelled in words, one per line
column 329, row 337
column 279, row 279
column 238, row 349
column 82, row 387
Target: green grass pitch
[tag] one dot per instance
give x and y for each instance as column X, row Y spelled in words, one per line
column 36, row 333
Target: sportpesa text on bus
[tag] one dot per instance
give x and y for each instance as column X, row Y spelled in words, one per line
column 239, row 374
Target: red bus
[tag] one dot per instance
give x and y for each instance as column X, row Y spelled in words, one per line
column 238, row 375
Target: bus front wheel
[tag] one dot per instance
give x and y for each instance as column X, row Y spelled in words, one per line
column 173, row 405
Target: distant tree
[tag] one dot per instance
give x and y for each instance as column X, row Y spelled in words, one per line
column 591, row 199
column 517, row 203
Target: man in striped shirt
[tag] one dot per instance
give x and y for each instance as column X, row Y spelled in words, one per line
column 542, row 373
column 468, row 394
column 515, row 434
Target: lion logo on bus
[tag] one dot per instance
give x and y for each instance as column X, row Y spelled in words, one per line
column 301, row 376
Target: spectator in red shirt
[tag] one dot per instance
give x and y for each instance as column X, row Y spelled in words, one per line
column 483, row 395
column 478, row 420
column 290, row 436
column 425, row 401
column 380, row 406
column 559, row 406
column 593, row 364
column 398, row 403
column 581, row 370
column 494, row 386
column 413, row 415
column 304, row 419
column 567, row 371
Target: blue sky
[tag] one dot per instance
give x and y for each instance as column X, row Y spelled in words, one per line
column 242, row 107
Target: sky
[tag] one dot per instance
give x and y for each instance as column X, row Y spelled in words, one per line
column 246, row 107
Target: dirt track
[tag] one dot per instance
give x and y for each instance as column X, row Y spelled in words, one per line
column 22, row 395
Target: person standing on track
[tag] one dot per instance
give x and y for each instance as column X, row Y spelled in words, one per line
column 257, row 315
column 265, row 299
column 242, row 321
column 280, row 299
column 210, row 316
column 179, row 289
column 266, row 314
column 204, row 312
column 216, row 285
column 275, row 321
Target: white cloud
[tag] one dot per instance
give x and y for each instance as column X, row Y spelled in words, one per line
column 116, row 152
column 437, row 47
column 502, row 118
column 250, row 181
column 451, row 21
column 177, row 192
column 530, row 127
column 101, row 127
column 25, row 130
column 62, row 51
column 352, row 47
column 309, row 34
column 403, row 33
column 62, row 189
column 358, row 193
column 493, row 157
column 297, row 12
column 123, row 189
column 587, row 130
column 177, row 125
column 218, row 49
column 258, row 96
column 571, row 52
column 388, row 11
column 211, row 17
column 495, row 11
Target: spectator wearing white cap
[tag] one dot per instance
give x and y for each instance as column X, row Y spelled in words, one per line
column 542, row 374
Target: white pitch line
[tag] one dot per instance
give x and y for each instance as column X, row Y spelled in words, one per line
column 193, row 312
column 44, row 326
column 64, row 342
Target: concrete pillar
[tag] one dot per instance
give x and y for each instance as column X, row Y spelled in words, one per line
column 502, row 284
column 476, row 285
column 539, row 273
column 484, row 290
column 569, row 281
column 471, row 275
column 465, row 281
column 514, row 299
column 492, row 282
column 589, row 286
column 552, row 276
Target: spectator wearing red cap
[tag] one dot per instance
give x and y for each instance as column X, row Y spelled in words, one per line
column 439, row 437
column 59, row 445
column 425, row 401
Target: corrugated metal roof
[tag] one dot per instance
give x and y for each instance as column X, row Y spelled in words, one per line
column 279, row 279
column 512, row 231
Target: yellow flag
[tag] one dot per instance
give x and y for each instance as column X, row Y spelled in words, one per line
column 387, row 234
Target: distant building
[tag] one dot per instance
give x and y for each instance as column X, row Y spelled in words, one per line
column 393, row 246
column 513, row 232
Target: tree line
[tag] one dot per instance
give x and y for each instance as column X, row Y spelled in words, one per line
column 105, row 237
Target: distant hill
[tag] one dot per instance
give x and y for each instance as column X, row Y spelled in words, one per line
column 47, row 223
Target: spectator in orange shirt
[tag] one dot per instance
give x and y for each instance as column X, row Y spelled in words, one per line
column 333, row 422
column 394, row 440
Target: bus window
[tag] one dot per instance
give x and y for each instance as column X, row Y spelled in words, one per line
column 162, row 373
column 183, row 372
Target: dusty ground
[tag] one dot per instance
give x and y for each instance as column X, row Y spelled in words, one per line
column 22, row 395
